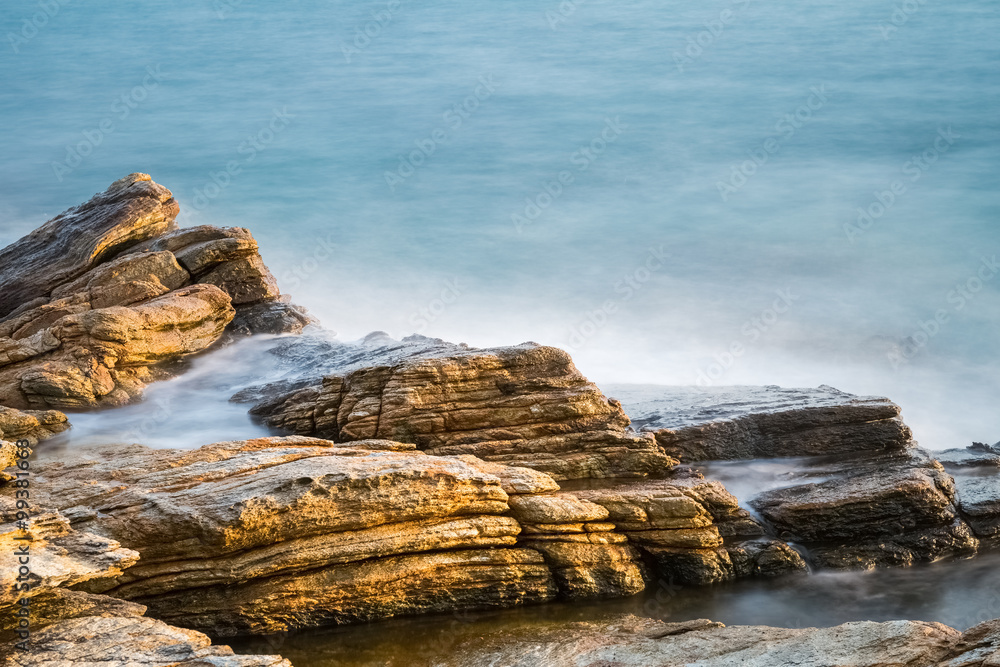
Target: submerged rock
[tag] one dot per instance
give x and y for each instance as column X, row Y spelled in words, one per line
column 96, row 303
column 525, row 405
column 630, row 641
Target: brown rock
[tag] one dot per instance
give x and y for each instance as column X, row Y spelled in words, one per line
column 95, row 303
column 129, row 211
column 32, row 426
column 276, row 533
column 129, row 641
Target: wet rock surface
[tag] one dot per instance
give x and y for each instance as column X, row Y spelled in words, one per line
column 630, row 641
column 883, row 510
column 265, row 535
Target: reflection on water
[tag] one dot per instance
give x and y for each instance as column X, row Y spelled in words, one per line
column 958, row 593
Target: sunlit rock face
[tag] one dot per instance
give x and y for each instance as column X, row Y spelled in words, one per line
column 96, row 303
column 525, row 405
column 266, row 535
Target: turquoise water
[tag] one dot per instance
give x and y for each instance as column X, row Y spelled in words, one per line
column 566, row 173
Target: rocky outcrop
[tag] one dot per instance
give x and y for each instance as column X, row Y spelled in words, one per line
column 865, row 497
column 126, row 641
column 526, row 405
column 266, row 535
column 31, row 426
column 629, row 641
column 100, row 300
column 693, row 531
column 885, row 510
column 57, row 557
column 46, row 620
column 130, row 211
column 694, row 424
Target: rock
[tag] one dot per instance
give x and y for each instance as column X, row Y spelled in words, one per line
column 630, row 641
column 725, row 423
column 58, row 557
column 100, row 301
column 276, row 533
column 691, row 529
column 975, row 456
column 526, row 405
column 270, row 317
column 32, row 426
column 978, row 647
column 106, row 356
column 129, row 211
column 129, row 641
column 875, row 511
column 978, row 499
column 588, row 559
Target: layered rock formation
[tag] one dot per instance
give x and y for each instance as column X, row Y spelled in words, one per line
column 588, row 557
column 976, row 472
column 727, row 423
column 46, row 620
column 872, row 500
column 273, row 534
column 526, row 405
column 31, row 425
column 885, row 510
column 630, row 641
column 98, row 301
column 693, row 530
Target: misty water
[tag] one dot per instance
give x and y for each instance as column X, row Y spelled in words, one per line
column 723, row 193
column 637, row 266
